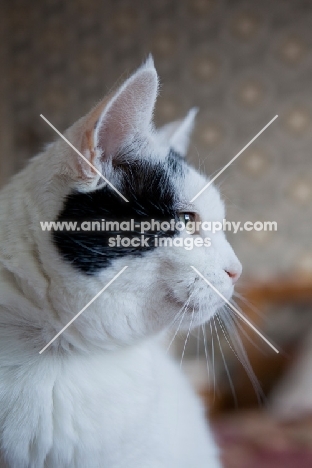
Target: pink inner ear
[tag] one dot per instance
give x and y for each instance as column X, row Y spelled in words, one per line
column 129, row 112
column 114, row 122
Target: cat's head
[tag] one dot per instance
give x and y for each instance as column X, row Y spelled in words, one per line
column 159, row 288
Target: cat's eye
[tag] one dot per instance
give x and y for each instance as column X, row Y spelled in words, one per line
column 189, row 220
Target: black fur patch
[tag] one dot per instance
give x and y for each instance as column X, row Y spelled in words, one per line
column 176, row 163
column 149, row 188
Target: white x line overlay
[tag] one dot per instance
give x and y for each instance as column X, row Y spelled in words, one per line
column 84, row 158
column 232, row 160
column 194, row 198
column 82, row 310
column 236, row 311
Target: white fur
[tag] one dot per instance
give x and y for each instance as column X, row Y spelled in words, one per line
column 104, row 394
column 178, row 133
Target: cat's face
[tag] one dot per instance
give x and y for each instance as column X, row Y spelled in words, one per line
column 159, row 288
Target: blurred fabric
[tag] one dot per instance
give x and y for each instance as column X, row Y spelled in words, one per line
column 257, row 440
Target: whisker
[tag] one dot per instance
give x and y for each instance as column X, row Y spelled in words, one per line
column 244, row 319
column 213, row 362
column 187, row 336
column 197, row 344
column 226, row 336
column 185, row 305
column 178, row 314
column 243, row 357
column 237, row 311
column 226, row 367
column 238, row 323
column 206, row 352
column 248, row 304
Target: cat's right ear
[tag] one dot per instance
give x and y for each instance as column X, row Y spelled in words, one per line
column 116, row 122
column 177, row 134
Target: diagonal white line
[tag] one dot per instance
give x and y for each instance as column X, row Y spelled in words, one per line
column 236, row 311
column 82, row 310
column 232, row 160
column 84, row 158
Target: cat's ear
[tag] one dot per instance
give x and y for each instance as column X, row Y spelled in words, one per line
column 117, row 120
column 129, row 112
column 177, row 134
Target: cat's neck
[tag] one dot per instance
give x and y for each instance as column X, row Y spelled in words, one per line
column 29, row 284
column 23, row 203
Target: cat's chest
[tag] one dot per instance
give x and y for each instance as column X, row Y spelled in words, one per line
column 114, row 411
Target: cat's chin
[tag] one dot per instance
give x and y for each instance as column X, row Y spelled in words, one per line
column 193, row 315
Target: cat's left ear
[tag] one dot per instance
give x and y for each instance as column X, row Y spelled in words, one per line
column 117, row 121
column 177, row 134
column 129, row 112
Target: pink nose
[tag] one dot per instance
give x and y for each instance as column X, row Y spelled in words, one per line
column 233, row 274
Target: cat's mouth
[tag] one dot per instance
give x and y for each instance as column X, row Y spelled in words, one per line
column 188, row 306
column 185, row 305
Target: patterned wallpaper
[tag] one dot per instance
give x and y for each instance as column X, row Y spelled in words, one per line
column 241, row 62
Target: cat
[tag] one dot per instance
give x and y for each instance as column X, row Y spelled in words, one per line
column 105, row 393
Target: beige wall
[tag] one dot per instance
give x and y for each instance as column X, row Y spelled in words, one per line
column 6, row 122
column 240, row 62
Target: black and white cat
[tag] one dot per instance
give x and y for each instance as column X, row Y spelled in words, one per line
column 105, row 394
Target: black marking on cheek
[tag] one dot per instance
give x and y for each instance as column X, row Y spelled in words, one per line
column 151, row 194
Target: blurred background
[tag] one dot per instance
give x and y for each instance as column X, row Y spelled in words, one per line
column 241, row 62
